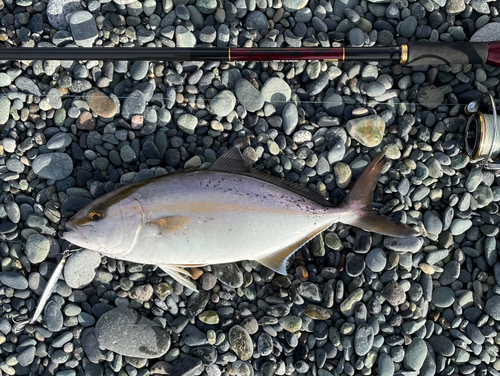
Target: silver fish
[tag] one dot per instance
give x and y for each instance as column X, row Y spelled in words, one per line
column 227, row 213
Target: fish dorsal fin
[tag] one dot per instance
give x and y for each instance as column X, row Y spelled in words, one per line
column 277, row 261
column 175, row 272
column 231, row 161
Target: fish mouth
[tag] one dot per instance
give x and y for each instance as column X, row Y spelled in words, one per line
column 72, row 234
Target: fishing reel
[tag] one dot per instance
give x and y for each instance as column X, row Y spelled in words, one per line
column 482, row 134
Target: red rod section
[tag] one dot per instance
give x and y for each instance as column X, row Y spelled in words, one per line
column 269, row 54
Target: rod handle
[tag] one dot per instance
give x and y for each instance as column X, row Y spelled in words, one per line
column 428, row 53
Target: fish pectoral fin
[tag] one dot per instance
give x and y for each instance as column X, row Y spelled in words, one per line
column 167, row 225
column 176, row 273
column 277, row 261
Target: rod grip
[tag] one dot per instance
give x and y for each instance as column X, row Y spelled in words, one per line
column 428, row 53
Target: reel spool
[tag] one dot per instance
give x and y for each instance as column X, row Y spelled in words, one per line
column 482, row 134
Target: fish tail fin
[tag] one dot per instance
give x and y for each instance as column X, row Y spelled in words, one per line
column 359, row 203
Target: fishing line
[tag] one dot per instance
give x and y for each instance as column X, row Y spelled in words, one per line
column 386, row 102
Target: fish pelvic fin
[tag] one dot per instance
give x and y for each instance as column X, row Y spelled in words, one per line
column 359, row 203
column 177, row 273
column 277, row 261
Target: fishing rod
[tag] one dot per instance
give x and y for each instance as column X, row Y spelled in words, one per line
column 424, row 53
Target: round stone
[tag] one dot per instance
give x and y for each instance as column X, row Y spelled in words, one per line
column 248, row 95
column 492, row 307
column 59, row 141
column 223, row 103
column 355, row 266
column 229, row 274
column 443, row 297
column 83, row 28
column 256, row 20
column 126, row 332
column 290, row 118
column 276, row 91
column 53, row 317
column 101, row 104
column 241, row 342
column 57, row 10
column 376, row 260
column 37, row 248
column 13, row 280
column 291, row 323
column 187, row 123
column 206, row 6
column 415, row 355
column 368, row 131
column 430, row 97
column 80, row 269
column 394, row 293
column 363, row 339
column 54, row 166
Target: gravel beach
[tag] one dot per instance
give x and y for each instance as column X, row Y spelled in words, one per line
column 353, row 303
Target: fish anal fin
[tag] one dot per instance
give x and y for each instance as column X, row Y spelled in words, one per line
column 176, row 273
column 277, row 261
column 167, row 225
column 231, row 161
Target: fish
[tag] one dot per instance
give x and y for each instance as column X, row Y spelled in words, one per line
column 226, row 213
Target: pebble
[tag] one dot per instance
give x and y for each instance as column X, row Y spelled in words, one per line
column 290, row 118
column 443, row 297
column 13, row 280
column 368, row 131
column 83, row 28
column 37, row 248
column 249, row 96
column 241, row 342
column 80, row 268
column 53, row 317
column 430, row 97
column 415, row 355
column 492, row 307
column 58, row 10
column 229, row 274
column 187, row 123
column 223, row 103
column 55, row 166
column 276, row 91
column 376, row 260
column 394, row 293
column 363, row 339
column 101, row 104
column 125, row 332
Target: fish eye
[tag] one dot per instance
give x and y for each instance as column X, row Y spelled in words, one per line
column 95, row 215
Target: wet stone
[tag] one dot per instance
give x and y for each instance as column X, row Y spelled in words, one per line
column 443, row 297
column 363, row 339
column 241, row 342
column 394, row 293
column 355, row 266
column 126, row 332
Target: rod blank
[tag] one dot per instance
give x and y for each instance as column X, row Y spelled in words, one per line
column 410, row 54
